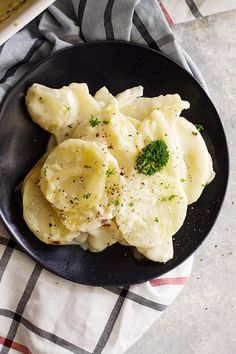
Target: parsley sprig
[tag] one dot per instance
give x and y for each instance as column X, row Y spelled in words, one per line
column 153, row 158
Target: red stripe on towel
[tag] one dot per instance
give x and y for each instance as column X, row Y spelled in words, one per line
column 168, row 281
column 17, row 346
column 167, row 15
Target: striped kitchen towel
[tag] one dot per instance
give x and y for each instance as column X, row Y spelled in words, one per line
column 41, row 313
column 179, row 11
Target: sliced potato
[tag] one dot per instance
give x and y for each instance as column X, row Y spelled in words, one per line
column 196, row 157
column 86, row 190
column 103, row 96
column 73, row 175
column 119, row 135
column 82, row 181
column 59, row 110
column 156, row 127
column 40, row 216
column 161, row 253
column 104, row 236
column 153, row 210
column 126, row 97
column 169, row 105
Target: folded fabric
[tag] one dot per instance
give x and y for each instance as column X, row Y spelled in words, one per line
column 179, row 11
column 40, row 312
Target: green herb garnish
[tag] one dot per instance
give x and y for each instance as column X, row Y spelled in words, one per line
column 110, row 172
column 87, row 195
column 94, row 121
column 169, row 198
column 182, row 180
column 131, row 204
column 67, row 108
column 199, row 127
column 116, row 202
column 156, row 219
column 153, row 158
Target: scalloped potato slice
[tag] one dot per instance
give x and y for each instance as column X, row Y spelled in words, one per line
column 102, row 96
column 154, row 208
column 118, row 133
column 196, row 157
column 98, row 215
column 104, row 236
column 156, row 127
column 126, row 97
column 169, row 105
column 82, row 181
column 73, row 175
column 161, row 253
column 39, row 215
column 59, row 110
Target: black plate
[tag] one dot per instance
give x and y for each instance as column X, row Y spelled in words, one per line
column 117, row 65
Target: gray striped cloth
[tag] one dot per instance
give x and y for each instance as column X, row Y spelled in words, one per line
column 41, row 313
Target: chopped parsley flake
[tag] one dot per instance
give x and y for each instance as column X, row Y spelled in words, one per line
column 156, row 219
column 131, row 204
column 169, row 198
column 199, row 127
column 87, row 195
column 182, row 180
column 110, row 172
column 94, row 121
column 204, row 185
column 116, row 202
column 68, row 108
column 153, row 158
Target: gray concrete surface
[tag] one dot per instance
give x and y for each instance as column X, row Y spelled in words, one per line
column 203, row 318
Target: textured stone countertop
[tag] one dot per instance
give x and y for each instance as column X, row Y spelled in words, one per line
column 203, row 318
